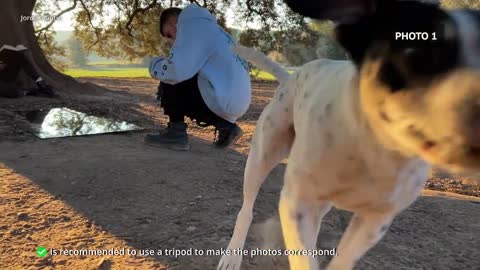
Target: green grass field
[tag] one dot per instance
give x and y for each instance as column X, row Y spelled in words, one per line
column 110, row 72
column 129, row 73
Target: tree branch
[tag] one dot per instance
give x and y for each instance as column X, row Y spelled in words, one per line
column 251, row 9
column 58, row 16
column 89, row 15
column 263, row 14
column 135, row 12
column 196, row 2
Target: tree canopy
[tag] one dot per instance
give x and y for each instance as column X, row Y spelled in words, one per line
column 454, row 4
column 128, row 29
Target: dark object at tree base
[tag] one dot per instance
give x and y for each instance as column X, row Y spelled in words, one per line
column 40, row 93
column 42, row 90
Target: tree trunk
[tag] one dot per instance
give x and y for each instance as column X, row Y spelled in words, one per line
column 14, row 32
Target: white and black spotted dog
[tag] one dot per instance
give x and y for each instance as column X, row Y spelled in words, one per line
column 361, row 135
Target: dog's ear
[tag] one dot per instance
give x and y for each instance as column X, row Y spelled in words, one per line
column 339, row 11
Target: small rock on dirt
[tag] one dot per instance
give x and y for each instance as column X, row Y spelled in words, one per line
column 104, row 265
column 23, row 216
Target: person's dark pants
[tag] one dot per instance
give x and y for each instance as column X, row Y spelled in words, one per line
column 184, row 99
column 15, row 62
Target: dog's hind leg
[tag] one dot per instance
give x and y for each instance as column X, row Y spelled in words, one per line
column 300, row 221
column 271, row 143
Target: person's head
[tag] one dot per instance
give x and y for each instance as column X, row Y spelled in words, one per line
column 168, row 22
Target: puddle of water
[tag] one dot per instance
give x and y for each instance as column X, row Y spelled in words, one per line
column 65, row 122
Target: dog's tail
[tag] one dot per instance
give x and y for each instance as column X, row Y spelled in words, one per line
column 262, row 61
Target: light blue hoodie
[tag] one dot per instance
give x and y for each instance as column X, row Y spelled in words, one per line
column 203, row 47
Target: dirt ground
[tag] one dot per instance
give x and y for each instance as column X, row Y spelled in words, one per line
column 112, row 192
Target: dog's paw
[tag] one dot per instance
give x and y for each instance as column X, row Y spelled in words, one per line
column 230, row 262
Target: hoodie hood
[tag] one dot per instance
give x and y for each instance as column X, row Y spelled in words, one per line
column 193, row 11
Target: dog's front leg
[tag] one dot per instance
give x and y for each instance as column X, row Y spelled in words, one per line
column 367, row 228
column 362, row 233
column 300, row 225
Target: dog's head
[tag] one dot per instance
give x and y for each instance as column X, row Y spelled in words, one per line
column 419, row 73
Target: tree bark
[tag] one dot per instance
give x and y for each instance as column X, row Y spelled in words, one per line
column 14, row 31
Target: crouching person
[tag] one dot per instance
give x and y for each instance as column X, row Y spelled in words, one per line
column 202, row 79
